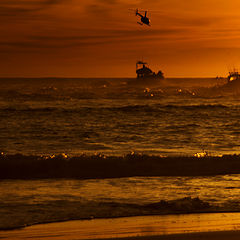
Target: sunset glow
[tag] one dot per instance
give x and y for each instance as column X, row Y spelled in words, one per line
column 101, row 38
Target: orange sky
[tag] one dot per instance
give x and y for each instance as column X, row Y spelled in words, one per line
column 100, row 38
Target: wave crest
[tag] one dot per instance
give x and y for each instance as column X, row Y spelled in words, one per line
column 100, row 166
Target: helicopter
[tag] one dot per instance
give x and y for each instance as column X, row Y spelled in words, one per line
column 144, row 19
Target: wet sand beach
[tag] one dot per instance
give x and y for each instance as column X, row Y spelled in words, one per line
column 183, row 226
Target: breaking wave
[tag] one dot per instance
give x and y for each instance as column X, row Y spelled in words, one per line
column 99, row 166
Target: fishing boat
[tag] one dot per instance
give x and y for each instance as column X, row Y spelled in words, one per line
column 233, row 76
column 145, row 73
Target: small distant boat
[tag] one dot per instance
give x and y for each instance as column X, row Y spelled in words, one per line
column 146, row 77
column 233, row 76
column 145, row 73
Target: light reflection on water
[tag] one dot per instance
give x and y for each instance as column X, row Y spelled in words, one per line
column 76, row 116
column 139, row 190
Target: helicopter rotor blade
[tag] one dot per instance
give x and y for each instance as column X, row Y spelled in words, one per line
column 144, row 10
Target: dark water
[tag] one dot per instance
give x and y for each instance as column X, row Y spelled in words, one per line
column 114, row 118
column 74, row 116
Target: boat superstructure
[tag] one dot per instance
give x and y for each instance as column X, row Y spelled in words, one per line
column 144, row 72
column 233, row 75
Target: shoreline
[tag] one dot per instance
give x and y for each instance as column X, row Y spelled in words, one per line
column 164, row 214
column 107, row 218
column 182, row 226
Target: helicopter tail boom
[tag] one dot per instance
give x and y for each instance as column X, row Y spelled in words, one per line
column 138, row 14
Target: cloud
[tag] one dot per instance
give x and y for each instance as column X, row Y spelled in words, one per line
column 65, row 41
column 27, row 3
column 13, row 8
column 104, row 8
column 109, row 2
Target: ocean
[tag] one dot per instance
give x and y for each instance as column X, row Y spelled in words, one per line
column 103, row 123
column 75, row 116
